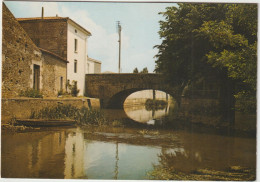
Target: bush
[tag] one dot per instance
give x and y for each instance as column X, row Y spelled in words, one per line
column 82, row 116
column 73, row 88
column 31, row 93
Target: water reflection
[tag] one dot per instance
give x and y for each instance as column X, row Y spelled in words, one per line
column 106, row 160
column 140, row 113
column 74, row 153
column 118, row 154
column 32, row 155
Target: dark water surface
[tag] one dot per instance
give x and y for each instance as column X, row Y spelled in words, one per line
column 119, row 153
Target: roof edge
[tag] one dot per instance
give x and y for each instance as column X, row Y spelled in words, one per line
column 53, row 54
column 51, row 18
column 94, row 60
column 78, row 25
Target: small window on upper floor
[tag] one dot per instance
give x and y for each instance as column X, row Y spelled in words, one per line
column 75, row 66
column 76, row 31
column 75, row 45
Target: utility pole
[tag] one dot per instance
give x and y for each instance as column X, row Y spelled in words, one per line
column 119, row 28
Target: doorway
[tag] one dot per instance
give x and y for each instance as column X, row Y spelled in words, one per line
column 36, row 77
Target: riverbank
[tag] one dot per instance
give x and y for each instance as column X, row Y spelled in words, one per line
column 135, row 115
column 21, row 107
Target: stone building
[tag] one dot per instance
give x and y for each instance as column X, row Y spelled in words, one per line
column 64, row 37
column 54, row 73
column 24, row 65
column 93, row 66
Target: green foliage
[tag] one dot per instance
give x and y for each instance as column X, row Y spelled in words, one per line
column 73, row 88
column 31, row 93
column 90, row 116
column 57, row 112
column 201, row 40
column 151, row 104
column 246, row 102
column 145, row 70
column 82, row 116
column 136, row 70
column 171, row 167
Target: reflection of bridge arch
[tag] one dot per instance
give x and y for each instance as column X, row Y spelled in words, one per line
column 113, row 89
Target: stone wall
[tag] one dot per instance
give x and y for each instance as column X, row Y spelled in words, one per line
column 53, row 70
column 18, row 53
column 113, row 89
column 107, row 85
column 49, row 34
column 21, row 108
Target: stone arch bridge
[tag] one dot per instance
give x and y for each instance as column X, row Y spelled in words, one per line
column 113, row 89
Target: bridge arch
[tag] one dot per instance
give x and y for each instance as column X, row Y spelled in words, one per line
column 113, row 89
column 117, row 100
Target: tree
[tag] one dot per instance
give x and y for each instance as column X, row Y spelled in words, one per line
column 145, row 70
column 201, row 40
column 135, row 70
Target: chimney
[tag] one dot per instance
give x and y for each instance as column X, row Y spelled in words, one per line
column 42, row 12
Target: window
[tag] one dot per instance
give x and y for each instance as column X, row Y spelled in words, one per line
column 76, row 31
column 76, row 45
column 75, row 66
column 61, row 83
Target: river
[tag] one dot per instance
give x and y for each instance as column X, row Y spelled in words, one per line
column 122, row 153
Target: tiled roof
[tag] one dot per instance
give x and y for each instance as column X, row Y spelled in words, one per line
column 53, row 54
column 53, row 18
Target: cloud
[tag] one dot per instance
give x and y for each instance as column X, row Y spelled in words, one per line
column 140, row 60
column 101, row 45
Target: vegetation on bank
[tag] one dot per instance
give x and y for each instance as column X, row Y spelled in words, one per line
column 234, row 173
column 31, row 93
column 82, row 115
column 166, row 170
column 72, row 89
column 151, row 104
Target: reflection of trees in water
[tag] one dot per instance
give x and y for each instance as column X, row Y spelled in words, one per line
column 180, row 160
column 155, row 105
column 186, row 165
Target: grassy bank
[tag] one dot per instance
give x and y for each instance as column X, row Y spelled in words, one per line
column 82, row 115
column 234, row 173
column 177, row 166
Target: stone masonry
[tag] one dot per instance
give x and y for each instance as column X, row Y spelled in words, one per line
column 18, row 53
column 113, row 89
column 49, row 34
column 54, row 72
column 21, row 108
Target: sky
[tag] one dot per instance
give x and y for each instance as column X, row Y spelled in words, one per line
column 139, row 21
